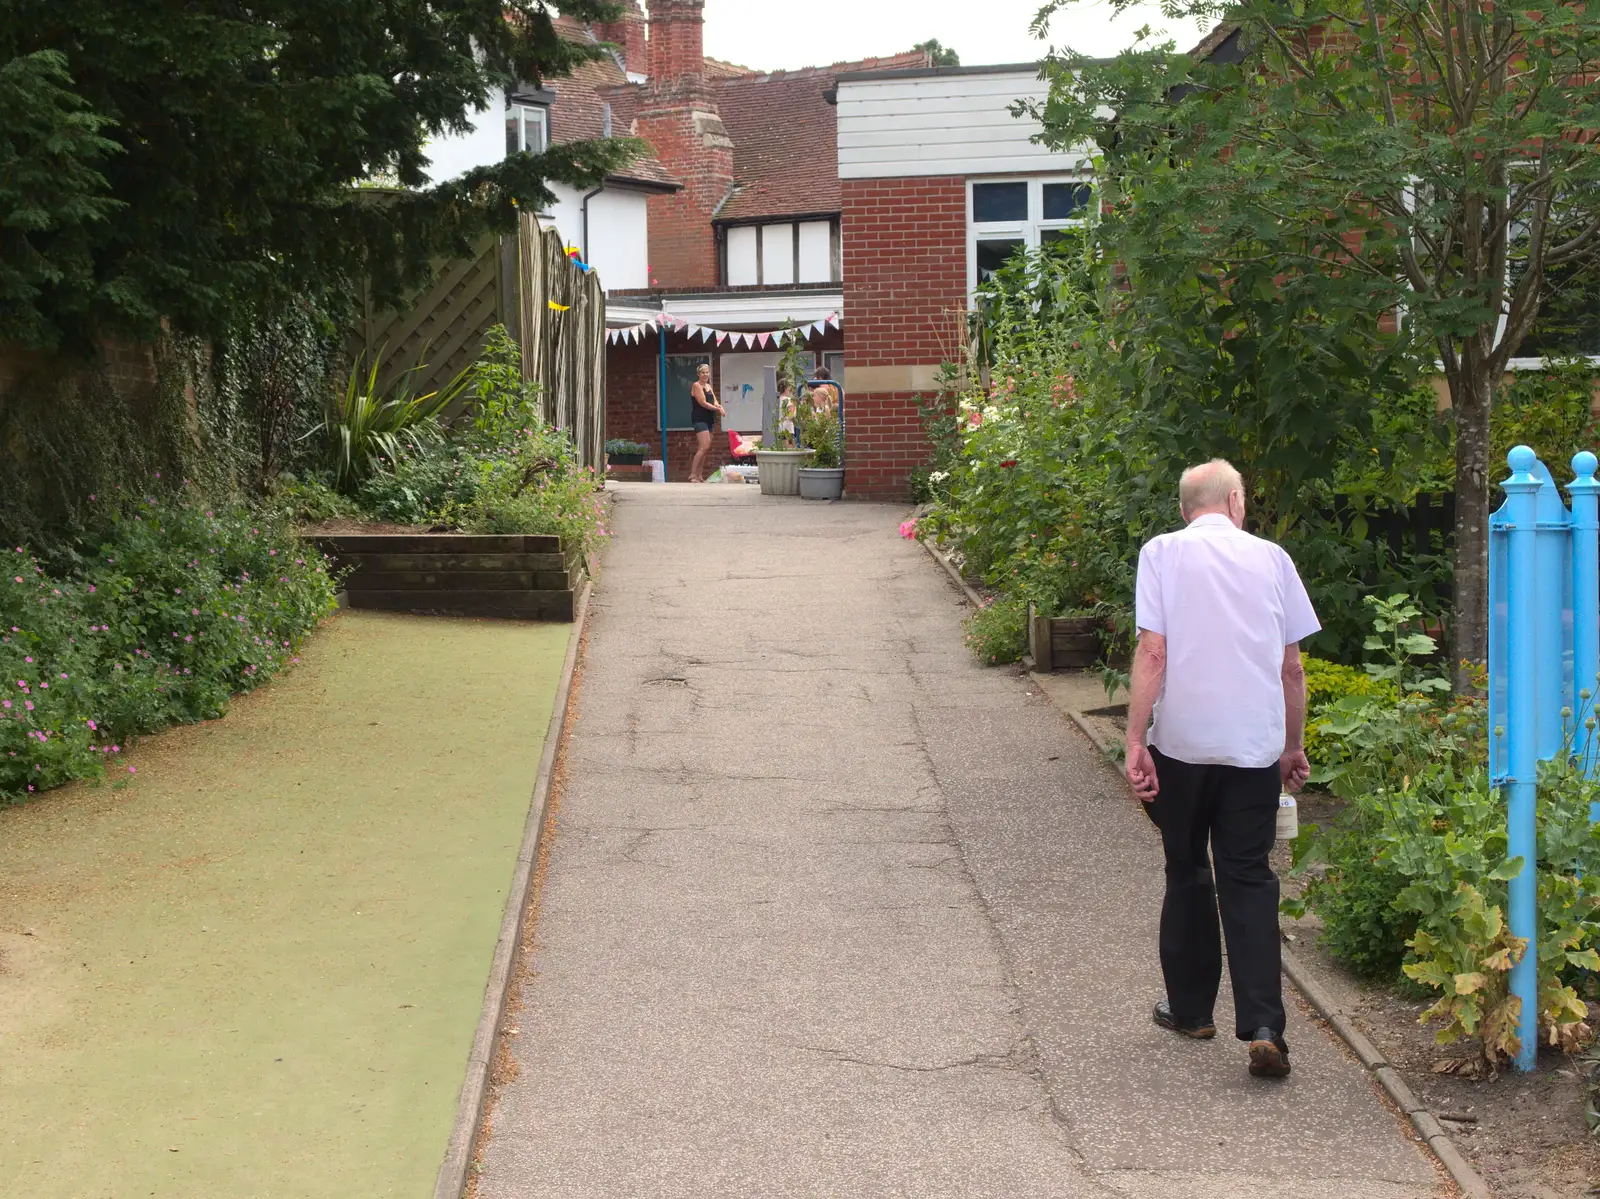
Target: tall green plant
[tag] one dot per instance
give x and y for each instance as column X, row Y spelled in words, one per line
column 371, row 427
column 1400, row 155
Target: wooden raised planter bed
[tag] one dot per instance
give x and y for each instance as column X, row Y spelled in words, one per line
column 1064, row 642
column 457, row 574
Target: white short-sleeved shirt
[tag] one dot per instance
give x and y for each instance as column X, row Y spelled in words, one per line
column 1228, row 603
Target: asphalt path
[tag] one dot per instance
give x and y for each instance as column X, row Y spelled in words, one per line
column 832, row 910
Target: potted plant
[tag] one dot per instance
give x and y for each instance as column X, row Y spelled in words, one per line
column 823, row 477
column 779, row 464
column 622, row 452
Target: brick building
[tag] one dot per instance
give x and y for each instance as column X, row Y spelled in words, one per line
column 939, row 184
column 751, row 242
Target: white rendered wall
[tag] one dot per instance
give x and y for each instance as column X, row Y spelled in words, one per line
column 955, row 124
column 456, row 153
column 619, row 240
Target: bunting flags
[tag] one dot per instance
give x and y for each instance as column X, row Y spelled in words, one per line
column 634, row 334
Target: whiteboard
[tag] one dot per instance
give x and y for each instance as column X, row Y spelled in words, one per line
column 744, row 386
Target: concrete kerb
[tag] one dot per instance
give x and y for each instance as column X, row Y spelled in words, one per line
column 454, row 1171
column 1428, row 1128
column 973, row 597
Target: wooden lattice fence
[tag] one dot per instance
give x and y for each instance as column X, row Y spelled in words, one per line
column 513, row 281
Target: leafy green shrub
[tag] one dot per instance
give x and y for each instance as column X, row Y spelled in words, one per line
column 1418, row 867
column 819, row 432
column 998, row 632
column 371, row 427
column 621, row 445
column 310, row 500
column 175, row 611
column 1327, row 683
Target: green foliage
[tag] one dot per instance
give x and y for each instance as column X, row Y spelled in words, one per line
column 52, row 193
column 372, row 427
column 621, row 445
column 160, row 620
column 134, row 191
column 1344, row 165
column 309, row 500
column 1417, row 868
column 997, row 633
column 943, row 56
column 1551, row 410
column 819, row 432
column 1326, row 684
column 504, row 470
column 274, row 370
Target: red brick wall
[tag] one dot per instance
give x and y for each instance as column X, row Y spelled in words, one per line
column 905, row 285
column 687, row 137
column 678, row 117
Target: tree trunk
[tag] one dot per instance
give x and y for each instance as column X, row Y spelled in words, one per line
column 1471, row 395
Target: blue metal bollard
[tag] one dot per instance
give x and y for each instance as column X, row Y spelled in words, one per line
column 1585, row 492
column 1522, row 760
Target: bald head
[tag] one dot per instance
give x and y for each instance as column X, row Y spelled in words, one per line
column 1209, row 488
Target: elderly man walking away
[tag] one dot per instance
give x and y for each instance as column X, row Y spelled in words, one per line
column 1220, row 615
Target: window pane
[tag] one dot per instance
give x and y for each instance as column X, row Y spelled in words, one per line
column 777, row 255
column 999, row 202
column 1062, row 241
column 513, row 131
column 1569, row 314
column 992, row 254
column 682, row 370
column 1066, row 201
column 742, row 261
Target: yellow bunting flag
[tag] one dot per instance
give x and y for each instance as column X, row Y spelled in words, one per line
column 560, row 307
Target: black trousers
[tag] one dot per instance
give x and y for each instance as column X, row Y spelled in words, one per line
column 1234, row 810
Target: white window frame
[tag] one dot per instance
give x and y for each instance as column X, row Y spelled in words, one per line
column 1029, row 232
column 529, row 116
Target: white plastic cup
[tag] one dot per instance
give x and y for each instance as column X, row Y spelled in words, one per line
column 1288, row 818
column 658, row 470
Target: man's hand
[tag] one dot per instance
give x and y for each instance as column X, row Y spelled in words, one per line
column 1140, row 768
column 1294, row 769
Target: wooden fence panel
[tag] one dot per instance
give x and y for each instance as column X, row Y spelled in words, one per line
column 511, row 281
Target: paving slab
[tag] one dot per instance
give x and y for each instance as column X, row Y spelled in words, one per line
column 832, row 910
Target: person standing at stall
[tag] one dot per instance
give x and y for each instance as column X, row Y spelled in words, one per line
column 706, row 408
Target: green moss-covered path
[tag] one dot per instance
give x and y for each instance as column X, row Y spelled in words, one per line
column 255, row 970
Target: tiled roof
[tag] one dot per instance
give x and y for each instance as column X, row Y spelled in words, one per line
column 785, row 142
column 578, row 113
column 717, row 69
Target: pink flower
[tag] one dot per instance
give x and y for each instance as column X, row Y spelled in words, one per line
column 63, row 674
column 908, row 529
column 28, row 704
column 91, row 588
column 133, row 770
column 92, row 724
column 29, row 660
column 19, row 578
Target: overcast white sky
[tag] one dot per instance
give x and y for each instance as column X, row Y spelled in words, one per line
column 776, row 34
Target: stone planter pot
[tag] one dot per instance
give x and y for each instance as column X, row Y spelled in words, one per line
column 780, row 470
column 821, row 482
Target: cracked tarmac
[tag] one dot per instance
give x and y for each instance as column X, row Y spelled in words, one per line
column 833, row 911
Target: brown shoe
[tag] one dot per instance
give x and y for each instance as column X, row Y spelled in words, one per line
column 1269, row 1054
column 1201, row 1030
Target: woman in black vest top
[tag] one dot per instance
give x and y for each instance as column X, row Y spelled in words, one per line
column 706, row 407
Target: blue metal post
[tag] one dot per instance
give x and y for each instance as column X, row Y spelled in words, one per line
column 1521, row 738
column 661, row 398
column 1585, row 493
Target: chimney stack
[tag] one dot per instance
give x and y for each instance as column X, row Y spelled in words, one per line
column 677, row 42
column 628, row 32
